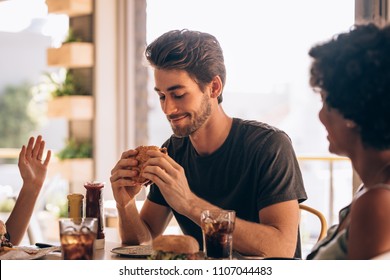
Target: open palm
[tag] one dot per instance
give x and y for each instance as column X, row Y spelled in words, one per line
column 31, row 166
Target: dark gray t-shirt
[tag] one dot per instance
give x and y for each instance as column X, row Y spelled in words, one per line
column 254, row 168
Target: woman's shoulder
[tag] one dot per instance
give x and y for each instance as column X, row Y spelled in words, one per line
column 372, row 206
column 375, row 197
column 369, row 228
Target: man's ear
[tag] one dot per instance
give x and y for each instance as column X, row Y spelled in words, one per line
column 350, row 124
column 216, row 87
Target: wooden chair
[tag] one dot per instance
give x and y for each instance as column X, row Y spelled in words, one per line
column 320, row 216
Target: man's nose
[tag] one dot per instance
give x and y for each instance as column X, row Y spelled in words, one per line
column 169, row 106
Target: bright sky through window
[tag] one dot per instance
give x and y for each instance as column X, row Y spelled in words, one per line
column 17, row 15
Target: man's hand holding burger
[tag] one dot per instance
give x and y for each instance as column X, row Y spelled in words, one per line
column 126, row 181
column 126, row 177
column 124, row 187
column 170, row 177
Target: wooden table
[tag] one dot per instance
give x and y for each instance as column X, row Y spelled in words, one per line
column 100, row 254
column 105, row 254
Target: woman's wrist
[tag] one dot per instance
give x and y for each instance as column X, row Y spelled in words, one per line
column 32, row 187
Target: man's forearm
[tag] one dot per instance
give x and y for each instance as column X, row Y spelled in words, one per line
column 249, row 238
column 194, row 208
column 132, row 229
column 252, row 238
column 256, row 239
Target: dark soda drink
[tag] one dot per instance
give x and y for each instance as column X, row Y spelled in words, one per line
column 77, row 237
column 77, row 245
column 218, row 244
column 218, row 238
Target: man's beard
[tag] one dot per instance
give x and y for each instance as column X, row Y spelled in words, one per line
column 198, row 119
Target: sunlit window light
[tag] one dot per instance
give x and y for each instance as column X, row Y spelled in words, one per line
column 17, row 15
column 56, row 26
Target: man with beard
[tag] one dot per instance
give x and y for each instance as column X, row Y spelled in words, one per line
column 213, row 161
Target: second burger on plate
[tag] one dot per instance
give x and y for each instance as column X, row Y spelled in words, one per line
column 176, row 247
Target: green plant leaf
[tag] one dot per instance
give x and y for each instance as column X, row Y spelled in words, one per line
column 74, row 149
column 71, row 37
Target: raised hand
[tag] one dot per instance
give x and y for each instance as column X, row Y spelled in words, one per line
column 32, row 167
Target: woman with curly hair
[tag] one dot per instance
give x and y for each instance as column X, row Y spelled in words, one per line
column 352, row 74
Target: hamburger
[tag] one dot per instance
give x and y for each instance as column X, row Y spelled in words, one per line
column 142, row 157
column 176, row 247
column 5, row 245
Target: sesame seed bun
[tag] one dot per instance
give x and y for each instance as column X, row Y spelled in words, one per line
column 179, row 244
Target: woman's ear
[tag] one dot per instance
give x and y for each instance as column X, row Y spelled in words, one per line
column 216, row 87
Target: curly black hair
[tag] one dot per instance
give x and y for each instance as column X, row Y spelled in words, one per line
column 353, row 69
column 198, row 53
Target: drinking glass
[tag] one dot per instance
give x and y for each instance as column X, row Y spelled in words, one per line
column 77, row 238
column 217, row 227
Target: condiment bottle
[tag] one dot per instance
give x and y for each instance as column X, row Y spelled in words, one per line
column 75, row 205
column 94, row 209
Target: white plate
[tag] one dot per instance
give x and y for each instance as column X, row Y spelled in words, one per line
column 139, row 251
column 27, row 253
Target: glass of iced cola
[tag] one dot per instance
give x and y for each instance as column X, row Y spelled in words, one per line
column 217, row 227
column 77, row 238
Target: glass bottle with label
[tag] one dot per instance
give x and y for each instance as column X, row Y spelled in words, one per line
column 94, row 209
column 75, row 205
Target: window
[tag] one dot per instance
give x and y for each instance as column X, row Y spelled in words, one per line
column 26, row 31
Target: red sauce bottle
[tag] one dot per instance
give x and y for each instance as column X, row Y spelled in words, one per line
column 94, row 208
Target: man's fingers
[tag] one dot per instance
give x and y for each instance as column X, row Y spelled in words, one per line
column 122, row 173
column 156, row 174
column 124, row 164
column 123, row 182
column 166, row 165
column 166, row 157
column 129, row 153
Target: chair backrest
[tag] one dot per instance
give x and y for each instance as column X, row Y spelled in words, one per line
column 320, row 216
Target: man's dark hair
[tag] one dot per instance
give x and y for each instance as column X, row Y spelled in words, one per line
column 198, row 53
column 353, row 69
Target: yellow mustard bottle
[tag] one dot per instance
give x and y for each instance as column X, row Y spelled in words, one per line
column 75, row 205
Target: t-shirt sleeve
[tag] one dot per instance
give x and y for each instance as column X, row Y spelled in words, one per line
column 155, row 195
column 279, row 172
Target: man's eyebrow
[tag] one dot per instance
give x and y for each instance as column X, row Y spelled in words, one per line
column 170, row 88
